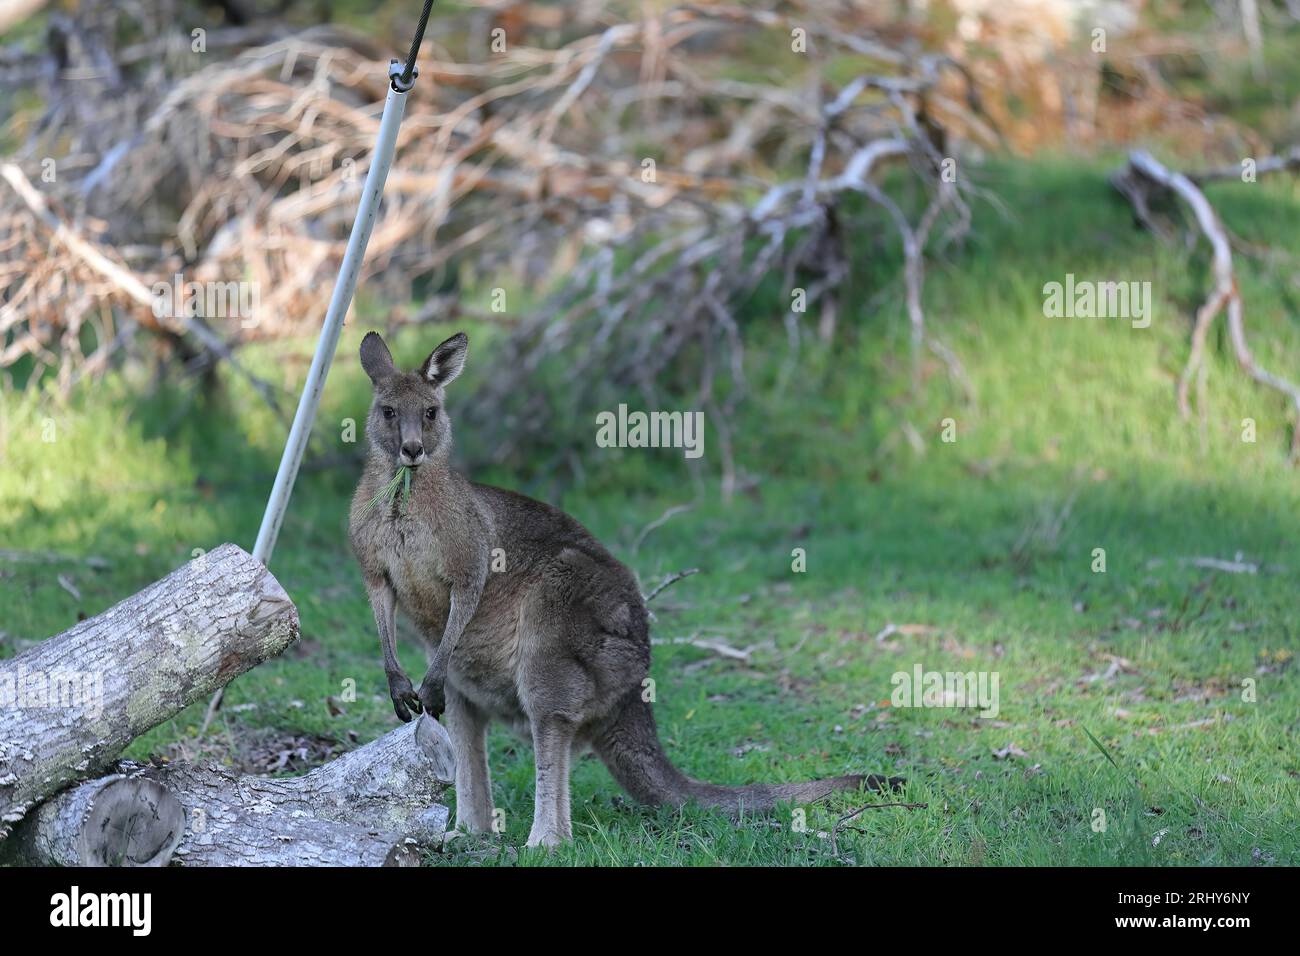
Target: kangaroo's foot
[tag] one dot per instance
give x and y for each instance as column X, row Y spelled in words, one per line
column 549, row 840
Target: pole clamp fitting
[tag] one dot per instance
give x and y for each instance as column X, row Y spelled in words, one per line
column 395, row 71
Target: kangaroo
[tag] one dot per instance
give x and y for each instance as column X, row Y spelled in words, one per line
column 557, row 643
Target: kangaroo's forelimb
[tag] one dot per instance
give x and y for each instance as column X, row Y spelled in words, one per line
column 383, row 601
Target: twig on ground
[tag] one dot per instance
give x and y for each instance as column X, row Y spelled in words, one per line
column 714, row 645
column 669, row 582
column 853, row 814
column 1237, row 566
column 907, row 630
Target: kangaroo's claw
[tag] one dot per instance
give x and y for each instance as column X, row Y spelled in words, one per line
column 405, row 700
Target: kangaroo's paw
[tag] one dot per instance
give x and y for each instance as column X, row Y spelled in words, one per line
column 405, row 700
column 432, row 697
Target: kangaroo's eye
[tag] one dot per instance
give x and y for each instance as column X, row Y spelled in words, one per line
column 388, row 411
column 431, row 414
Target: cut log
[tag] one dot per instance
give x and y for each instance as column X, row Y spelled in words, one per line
column 71, row 704
column 374, row 806
column 236, row 821
column 114, row 821
column 390, row 784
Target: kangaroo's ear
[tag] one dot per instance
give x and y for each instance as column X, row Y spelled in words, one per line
column 375, row 357
column 446, row 361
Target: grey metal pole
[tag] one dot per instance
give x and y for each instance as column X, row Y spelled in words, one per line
column 345, row 285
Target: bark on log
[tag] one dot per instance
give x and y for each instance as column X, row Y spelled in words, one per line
column 230, row 821
column 114, row 821
column 393, row 783
column 71, row 704
column 358, row 810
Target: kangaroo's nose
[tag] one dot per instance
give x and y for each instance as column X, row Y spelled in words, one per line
column 412, row 450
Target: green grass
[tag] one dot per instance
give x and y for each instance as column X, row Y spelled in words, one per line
column 1123, row 690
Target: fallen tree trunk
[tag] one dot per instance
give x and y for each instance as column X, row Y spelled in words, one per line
column 392, row 785
column 372, row 807
column 71, row 704
column 236, row 821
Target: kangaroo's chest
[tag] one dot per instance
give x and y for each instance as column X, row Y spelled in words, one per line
column 485, row 662
column 410, row 557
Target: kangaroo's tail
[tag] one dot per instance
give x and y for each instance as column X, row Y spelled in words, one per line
column 629, row 745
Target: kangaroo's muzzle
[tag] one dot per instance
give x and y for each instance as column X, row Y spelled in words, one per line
column 412, row 453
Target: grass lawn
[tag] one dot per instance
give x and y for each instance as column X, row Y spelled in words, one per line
column 1160, row 696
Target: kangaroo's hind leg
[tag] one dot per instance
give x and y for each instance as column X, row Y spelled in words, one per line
column 553, row 738
column 468, row 725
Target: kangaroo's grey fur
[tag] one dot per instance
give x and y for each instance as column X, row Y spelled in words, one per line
column 558, row 642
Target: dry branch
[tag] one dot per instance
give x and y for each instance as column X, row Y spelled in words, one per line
column 119, row 277
column 531, row 162
column 1142, row 182
column 668, row 582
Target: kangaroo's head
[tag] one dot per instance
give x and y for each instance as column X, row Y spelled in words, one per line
column 407, row 424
